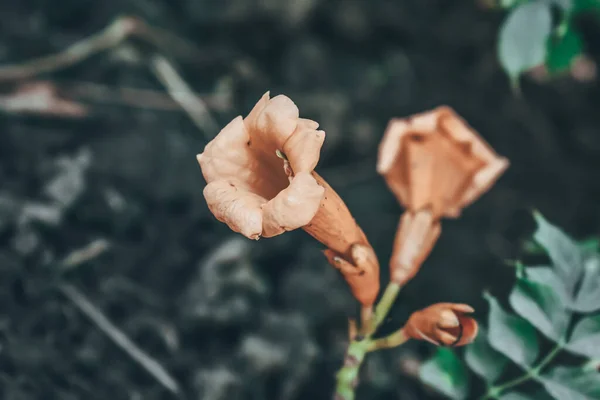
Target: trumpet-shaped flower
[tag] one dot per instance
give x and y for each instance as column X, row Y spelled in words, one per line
column 261, row 182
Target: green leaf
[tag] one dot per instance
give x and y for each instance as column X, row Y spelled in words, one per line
column 564, row 5
column 544, row 275
column 566, row 383
column 522, row 38
column 511, row 335
column 510, row 3
column 587, row 299
column 563, row 50
column 541, row 306
column 565, row 253
column 481, row 357
column 446, row 373
column 514, row 396
column 586, row 5
column 585, row 339
column 590, row 244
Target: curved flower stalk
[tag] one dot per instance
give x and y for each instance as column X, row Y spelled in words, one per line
column 436, row 165
column 261, row 182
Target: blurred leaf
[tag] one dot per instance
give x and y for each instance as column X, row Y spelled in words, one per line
column 585, row 339
column 566, row 383
column 514, row 396
column 587, row 299
column 586, row 5
column 510, row 3
column 563, row 50
column 546, row 276
column 483, row 359
column 565, row 5
column 522, row 38
column 446, row 373
column 541, row 306
column 591, row 244
column 565, row 253
column 511, row 335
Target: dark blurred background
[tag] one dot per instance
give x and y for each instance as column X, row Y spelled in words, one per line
column 226, row 317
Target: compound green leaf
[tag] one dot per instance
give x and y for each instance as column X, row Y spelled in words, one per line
column 546, row 276
column 585, row 339
column 587, row 298
column 566, row 255
column 565, row 383
column 541, row 306
column 445, row 373
column 511, row 335
column 481, row 357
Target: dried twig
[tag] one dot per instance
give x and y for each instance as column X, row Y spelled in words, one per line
column 89, row 252
column 120, row 339
column 112, row 36
column 181, row 93
column 41, row 98
column 130, row 96
column 106, row 39
column 78, row 257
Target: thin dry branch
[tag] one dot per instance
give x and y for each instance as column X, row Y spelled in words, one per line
column 184, row 95
column 116, row 335
column 111, row 37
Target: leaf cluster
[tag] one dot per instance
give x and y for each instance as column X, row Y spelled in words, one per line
column 558, row 303
column 531, row 35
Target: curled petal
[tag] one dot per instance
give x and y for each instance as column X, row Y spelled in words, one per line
column 303, row 148
column 442, row 324
column 238, row 208
column 223, row 155
column 277, row 120
column 294, row 207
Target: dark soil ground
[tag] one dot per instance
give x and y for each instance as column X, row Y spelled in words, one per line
column 234, row 319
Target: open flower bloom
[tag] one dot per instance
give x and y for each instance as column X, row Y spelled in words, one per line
column 261, row 182
column 436, row 165
column 435, row 160
column 442, row 324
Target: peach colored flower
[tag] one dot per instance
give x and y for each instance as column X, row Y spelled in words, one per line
column 248, row 188
column 435, row 160
column 436, row 165
column 261, row 182
column 442, row 324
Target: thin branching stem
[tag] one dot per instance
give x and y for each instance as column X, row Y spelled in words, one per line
column 347, row 377
column 119, row 338
column 495, row 391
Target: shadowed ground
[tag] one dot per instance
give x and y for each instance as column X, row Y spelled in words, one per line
column 235, row 319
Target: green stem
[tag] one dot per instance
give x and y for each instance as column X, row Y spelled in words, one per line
column 386, row 302
column 347, row 376
column 495, row 391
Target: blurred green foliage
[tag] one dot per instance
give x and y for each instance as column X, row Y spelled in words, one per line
column 531, row 36
column 556, row 303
